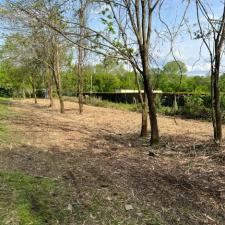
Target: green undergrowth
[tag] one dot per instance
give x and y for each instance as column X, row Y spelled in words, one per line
column 5, row 114
column 107, row 104
column 29, row 200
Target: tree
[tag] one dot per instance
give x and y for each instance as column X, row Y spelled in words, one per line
column 18, row 54
column 175, row 68
column 81, row 51
column 213, row 37
column 139, row 14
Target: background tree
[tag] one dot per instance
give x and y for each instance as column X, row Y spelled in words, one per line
column 213, row 35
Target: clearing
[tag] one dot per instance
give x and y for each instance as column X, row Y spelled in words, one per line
column 93, row 168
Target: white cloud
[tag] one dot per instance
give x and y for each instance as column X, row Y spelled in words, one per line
column 201, row 68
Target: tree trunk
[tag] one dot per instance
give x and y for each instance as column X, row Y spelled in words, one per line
column 49, row 80
column 61, row 104
column 51, row 104
column 150, row 96
column 81, row 56
column 56, row 75
column 81, row 102
column 144, row 107
column 23, row 93
column 216, row 110
column 35, row 97
column 80, row 80
column 34, row 94
column 144, row 123
column 152, row 116
column 59, row 92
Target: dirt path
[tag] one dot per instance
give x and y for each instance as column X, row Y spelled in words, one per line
column 100, row 150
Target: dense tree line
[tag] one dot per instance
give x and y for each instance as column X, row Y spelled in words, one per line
column 105, row 78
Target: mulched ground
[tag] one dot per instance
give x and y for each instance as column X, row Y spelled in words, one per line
column 182, row 180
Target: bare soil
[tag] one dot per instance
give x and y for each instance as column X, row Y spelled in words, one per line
column 182, row 180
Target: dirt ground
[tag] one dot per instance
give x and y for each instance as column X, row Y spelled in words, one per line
column 182, row 180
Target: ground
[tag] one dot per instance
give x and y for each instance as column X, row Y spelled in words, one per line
column 94, row 169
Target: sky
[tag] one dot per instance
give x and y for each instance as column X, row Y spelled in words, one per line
column 185, row 47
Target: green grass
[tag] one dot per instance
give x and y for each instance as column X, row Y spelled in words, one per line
column 107, row 104
column 30, row 200
column 5, row 114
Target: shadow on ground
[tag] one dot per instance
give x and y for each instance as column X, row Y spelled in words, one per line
column 175, row 192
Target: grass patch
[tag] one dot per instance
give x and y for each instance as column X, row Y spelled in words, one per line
column 107, row 104
column 30, row 200
column 5, row 114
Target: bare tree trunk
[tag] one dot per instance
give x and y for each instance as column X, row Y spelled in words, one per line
column 51, row 104
column 35, row 98
column 144, row 123
column 59, row 91
column 34, row 95
column 49, row 79
column 80, row 80
column 216, row 110
column 152, row 116
column 215, row 48
column 144, row 108
column 151, row 101
column 81, row 55
column 57, row 78
column 23, row 91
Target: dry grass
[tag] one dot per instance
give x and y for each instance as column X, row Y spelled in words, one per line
column 100, row 153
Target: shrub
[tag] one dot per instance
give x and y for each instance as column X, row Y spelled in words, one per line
column 194, row 107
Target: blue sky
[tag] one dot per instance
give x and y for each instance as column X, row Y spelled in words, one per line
column 186, row 48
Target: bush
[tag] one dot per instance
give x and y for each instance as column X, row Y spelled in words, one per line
column 194, row 107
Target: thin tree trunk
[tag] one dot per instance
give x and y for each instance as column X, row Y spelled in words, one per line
column 34, row 91
column 80, row 80
column 51, row 104
column 216, row 110
column 144, row 123
column 59, row 92
column 23, row 91
column 151, row 101
column 49, row 80
column 144, row 107
column 56, row 75
column 152, row 116
column 81, row 56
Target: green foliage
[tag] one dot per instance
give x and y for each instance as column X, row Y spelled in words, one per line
column 108, row 77
column 194, row 107
column 68, row 79
column 5, row 113
column 30, row 200
column 175, row 68
column 107, row 104
column 173, row 78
